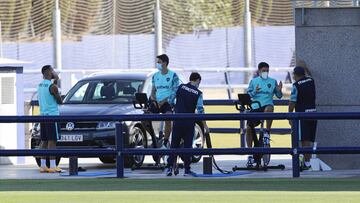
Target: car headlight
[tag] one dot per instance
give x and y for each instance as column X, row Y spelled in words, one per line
column 105, row 126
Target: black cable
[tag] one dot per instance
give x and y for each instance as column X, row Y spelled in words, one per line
column 215, row 166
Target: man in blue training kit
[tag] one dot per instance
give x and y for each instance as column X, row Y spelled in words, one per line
column 164, row 87
column 49, row 99
column 262, row 89
column 302, row 99
column 188, row 99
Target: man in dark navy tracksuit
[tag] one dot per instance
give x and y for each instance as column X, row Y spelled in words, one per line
column 188, row 99
column 302, row 99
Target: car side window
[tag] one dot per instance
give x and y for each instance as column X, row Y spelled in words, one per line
column 97, row 92
column 79, row 95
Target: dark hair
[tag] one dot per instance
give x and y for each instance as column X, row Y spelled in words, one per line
column 194, row 76
column 263, row 64
column 299, row 71
column 45, row 68
column 164, row 58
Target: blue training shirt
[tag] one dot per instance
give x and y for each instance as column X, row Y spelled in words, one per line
column 303, row 94
column 266, row 93
column 166, row 86
column 189, row 98
column 47, row 102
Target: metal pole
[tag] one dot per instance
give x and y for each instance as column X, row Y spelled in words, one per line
column 227, row 63
column 1, row 42
column 295, row 145
column 57, row 36
column 129, row 52
column 119, row 139
column 158, row 29
column 114, row 35
column 247, row 39
column 327, row 3
column 356, row 3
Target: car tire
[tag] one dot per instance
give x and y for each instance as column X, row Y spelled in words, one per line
column 107, row 159
column 137, row 140
column 38, row 161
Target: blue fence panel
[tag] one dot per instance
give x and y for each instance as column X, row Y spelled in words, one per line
column 120, row 151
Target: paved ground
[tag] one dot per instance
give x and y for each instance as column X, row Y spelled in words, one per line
column 95, row 169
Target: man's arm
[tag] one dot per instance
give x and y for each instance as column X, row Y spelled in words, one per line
column 293, row 99
column 55, row 78
column 55, row 91
column 153, row 93
column 251, row 89
column 200, row 109
column 174, row 87
column 278, row 89
column 292, row 102
column 153, row 89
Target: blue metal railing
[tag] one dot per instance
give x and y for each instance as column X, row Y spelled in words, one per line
column 226, row 102
column 241, row 129
column 120, row 151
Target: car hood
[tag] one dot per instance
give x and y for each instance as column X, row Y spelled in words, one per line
column 98, row 109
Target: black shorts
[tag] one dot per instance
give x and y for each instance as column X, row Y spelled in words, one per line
column 307, row 130
column 49, row 132
column 254, row 123
column 165, row 108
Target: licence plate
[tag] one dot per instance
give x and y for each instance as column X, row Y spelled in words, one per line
column 71, row 138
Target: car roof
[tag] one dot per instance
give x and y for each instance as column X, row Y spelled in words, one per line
column 137, row 75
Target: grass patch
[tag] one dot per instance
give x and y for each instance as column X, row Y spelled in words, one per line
column 184, row 190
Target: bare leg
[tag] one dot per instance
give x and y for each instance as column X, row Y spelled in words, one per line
column 52, row 145
column 167, row 128
column 249, row 138
column 269, row 109
column 43, row 145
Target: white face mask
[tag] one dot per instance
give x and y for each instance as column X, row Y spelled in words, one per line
column 159, row 66
column 264, row 75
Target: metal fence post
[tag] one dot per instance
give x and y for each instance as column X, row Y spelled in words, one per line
column 295, row 145
column 119, row 139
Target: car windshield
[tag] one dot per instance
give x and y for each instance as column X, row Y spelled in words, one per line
column 104, row 91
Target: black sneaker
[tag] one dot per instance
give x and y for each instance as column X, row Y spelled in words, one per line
column 189, row 173
column 169, row 171
column 305, row 168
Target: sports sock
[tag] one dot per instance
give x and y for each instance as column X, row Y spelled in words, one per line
column 43, row 163
column 52, row 163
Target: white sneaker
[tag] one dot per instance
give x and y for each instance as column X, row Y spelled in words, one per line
column 250, row 162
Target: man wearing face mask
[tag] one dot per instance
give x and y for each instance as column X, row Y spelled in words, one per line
column 188, row 99
column 302, row 99
column 262, row 89
column 164, row 86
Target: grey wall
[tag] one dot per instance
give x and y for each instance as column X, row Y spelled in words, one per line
column 328, row 40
